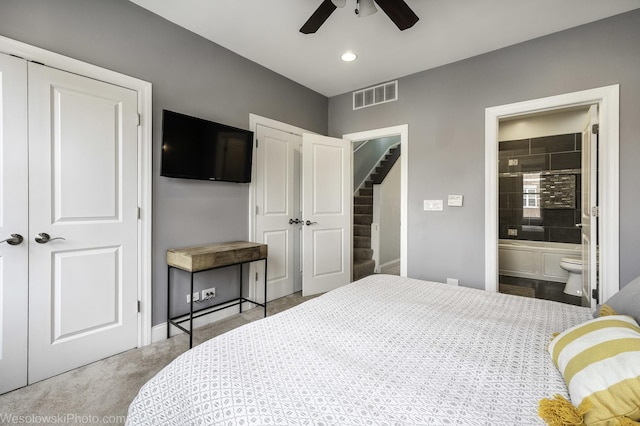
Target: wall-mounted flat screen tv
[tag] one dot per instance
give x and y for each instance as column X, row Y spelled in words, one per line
column 193, row 148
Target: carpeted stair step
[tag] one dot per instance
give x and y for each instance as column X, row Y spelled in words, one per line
column 362, row 200
column 362, row 254
column 363, row 268
column 363, row 209
column 361, row 242
column 362, row 230
column 362, row 219
column 365, row 192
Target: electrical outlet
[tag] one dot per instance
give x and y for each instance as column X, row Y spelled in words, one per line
column 196, row 297
column 512, row 232
column 208, row 293
column 452, row 281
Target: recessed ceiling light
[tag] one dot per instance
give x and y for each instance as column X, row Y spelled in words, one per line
column 349, row 57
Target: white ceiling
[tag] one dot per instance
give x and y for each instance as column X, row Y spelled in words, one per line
column 266, row 32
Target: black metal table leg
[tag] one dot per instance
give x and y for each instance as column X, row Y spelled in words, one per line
column 265, row 288
column 191, row 314
column 196, row 313
column 168, row 301
column 240, row 288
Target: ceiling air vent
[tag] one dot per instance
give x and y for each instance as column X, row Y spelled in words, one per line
column 375, row 95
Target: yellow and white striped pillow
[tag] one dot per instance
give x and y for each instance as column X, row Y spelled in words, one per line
column 600, row 362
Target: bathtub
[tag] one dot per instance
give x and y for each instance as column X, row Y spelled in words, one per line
column 535, row 259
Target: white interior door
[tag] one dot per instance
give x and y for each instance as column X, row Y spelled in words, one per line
column 82, row 189
column 14, row 283
column 588, row 204
column 326, row 203
column 278, row 204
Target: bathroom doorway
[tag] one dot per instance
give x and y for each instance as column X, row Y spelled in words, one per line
column 605, row 215
column 540, row 191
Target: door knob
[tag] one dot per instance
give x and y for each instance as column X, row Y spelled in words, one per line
column 310, row 223
column 44, row 238
column 296, row 221
column 14, row 240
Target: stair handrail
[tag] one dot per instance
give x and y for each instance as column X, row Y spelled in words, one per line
column 372, row 162
column 393, row 160
column 376, row 165
column 363, row 143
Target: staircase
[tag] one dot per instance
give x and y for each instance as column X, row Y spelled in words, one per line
column 363, row 263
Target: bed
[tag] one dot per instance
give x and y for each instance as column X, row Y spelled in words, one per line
column 384, row 350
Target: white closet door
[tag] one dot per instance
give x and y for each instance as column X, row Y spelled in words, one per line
column 278, row 202
column 13, row 220
column 82, row 188
column 326, row 206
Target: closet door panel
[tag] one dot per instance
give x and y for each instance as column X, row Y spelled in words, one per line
column 13, row 220
column 326, row 203
column 83, row 178
column 277, row 161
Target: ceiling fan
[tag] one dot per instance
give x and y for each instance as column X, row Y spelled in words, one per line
column 397, row 10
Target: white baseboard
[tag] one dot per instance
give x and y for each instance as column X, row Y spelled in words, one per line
column 393, row 264
column 159, row 332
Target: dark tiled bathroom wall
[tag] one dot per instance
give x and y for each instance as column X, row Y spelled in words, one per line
column 558, row 160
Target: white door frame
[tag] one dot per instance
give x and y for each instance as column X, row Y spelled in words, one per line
column 143, row 88
column 607, row 99
column 403, row 131
column 254, row 121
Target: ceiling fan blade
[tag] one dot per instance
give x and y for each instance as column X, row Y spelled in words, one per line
column 399, row 12
column 319, row 16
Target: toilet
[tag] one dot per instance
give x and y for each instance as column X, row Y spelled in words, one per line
column 573, row 265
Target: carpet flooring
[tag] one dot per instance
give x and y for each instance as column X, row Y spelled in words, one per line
column 100, row 393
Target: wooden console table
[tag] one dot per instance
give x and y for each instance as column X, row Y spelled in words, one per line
column 205, row 258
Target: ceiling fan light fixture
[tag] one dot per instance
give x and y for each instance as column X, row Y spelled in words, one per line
column 397, row 10
column 365, row 8
column 349, row 56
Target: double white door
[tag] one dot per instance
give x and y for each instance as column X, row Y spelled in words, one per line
column 303, row 210
column 68, row 207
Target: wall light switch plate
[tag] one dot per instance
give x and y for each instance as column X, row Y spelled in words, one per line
column 455, row 200
column 433, row 205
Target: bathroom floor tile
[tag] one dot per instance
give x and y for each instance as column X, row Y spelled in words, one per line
column 547, row 290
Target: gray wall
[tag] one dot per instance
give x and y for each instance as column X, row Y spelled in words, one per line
column 189, row 75
column 445, row 108
column 389, row 220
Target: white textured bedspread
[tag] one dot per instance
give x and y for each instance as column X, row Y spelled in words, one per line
column 384, row 350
